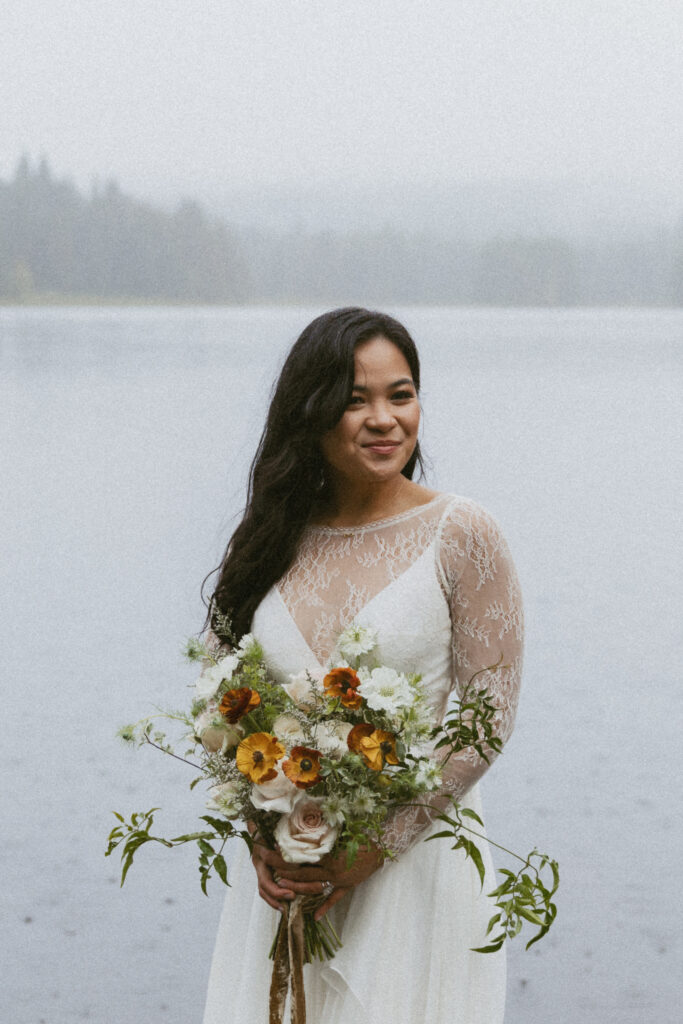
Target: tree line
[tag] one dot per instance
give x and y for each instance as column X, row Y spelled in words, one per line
column 57, row 243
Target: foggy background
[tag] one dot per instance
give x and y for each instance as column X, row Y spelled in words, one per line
column 256, row 163
column 436, row 153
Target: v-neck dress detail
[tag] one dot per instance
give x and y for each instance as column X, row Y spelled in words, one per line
column 438, row 585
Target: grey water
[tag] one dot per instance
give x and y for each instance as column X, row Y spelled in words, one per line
column 126, row 438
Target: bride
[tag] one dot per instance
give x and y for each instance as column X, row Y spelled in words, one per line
column 337, row 531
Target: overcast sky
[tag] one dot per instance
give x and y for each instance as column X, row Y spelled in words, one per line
column 202, row 96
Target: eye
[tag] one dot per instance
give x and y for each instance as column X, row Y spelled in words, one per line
column 402, row 395
column 356, row 400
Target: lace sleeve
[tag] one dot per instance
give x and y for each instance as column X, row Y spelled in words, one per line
column 480, row 583
column 213, row 644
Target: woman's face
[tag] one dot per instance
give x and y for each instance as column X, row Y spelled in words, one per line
column 377, row 433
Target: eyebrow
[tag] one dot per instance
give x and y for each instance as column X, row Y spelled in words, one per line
column 396, row 383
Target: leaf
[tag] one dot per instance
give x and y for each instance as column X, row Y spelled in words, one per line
column 537, row 936
column 493, row 948
column 530, row 915
column 221, row 868
column 217, row 823
column 472, row 851
column 439, row 835
column 119, row 816
column 192, row 836
column 206, row 848
column 494, row 920
column 467, row 812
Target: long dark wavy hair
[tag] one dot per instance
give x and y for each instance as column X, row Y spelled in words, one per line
column 287, row 479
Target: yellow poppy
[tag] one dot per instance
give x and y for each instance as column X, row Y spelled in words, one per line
column 378, row 749
column 357, row 734
column 257, row 755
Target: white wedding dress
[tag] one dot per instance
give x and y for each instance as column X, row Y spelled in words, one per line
column 438, row 585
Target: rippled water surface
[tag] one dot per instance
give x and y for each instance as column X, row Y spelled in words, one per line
column 126, row 435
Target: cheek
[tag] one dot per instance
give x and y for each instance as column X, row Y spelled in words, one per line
column 412, row 421
column 338, row 438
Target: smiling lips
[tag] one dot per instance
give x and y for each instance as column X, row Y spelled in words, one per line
column 383, row 447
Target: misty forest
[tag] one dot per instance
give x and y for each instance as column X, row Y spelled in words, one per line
column 58, row 244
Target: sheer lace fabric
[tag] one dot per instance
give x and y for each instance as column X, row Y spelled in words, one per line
column 339, row 572
column 438, row 585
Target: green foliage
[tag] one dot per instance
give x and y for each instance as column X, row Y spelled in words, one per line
column 356, row 798
column 472, row 722
column 525, row 896
column 133, row 834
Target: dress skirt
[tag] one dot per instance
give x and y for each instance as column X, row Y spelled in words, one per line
column 407, row 934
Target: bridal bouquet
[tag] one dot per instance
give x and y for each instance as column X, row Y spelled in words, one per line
column 317, row 764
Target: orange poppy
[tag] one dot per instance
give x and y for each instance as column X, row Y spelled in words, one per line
column 235, row 704
column 257, row 755
column 343, row 683
column 303, row 767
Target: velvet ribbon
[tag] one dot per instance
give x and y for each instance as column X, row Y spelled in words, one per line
column 288, row 965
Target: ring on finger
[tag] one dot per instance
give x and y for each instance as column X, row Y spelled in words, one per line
column 327, row 888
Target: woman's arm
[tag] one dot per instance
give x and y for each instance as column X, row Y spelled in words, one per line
column 480, row 583
column 479, row 580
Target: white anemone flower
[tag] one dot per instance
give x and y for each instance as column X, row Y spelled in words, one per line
column 386, row 690
column 225, row 799
column 356, row 640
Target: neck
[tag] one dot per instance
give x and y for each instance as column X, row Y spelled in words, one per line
column 352, row 504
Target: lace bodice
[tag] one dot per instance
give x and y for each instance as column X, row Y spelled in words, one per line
column 440, row 587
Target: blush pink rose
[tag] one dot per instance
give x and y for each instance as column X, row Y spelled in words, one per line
column 305, row 836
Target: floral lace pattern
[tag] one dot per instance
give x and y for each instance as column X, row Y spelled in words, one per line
column 338, row 573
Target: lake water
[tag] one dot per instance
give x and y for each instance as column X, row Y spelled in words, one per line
column 126, row 436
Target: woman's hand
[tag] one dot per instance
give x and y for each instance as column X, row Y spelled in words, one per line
column 315, row 878
column 306, row 879
column 265, row 863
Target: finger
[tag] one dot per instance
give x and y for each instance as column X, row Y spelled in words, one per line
column 268, row 884
column 269, row 900
column 312, row 874
column 328, row 904
column 269, row 857
column 315, row 888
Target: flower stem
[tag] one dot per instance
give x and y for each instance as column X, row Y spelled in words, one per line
column 171, row 754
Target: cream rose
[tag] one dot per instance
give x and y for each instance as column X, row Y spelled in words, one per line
column 289, row 731
column 215, row 734
column 305, row 836
column 277, row 795
column 305, row 689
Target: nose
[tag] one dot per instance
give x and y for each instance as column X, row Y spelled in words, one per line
column 380, row 416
